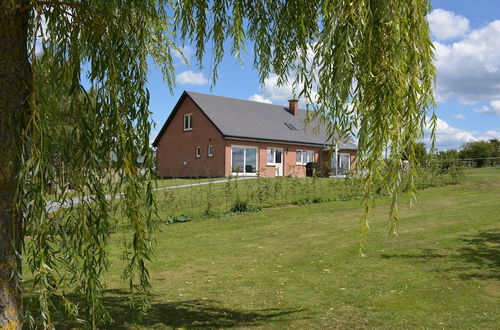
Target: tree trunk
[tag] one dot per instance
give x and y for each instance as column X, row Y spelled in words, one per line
column 15, row 89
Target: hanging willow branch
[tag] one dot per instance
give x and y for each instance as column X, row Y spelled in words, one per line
column 365, row 66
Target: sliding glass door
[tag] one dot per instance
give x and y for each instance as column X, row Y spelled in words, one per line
column 244, row 160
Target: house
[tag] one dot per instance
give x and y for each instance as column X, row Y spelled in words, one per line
column 215, row 136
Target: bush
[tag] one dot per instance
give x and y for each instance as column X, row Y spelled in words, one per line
column 209, row 213
column 178, row 218
column 456, row 173
column 239, row 206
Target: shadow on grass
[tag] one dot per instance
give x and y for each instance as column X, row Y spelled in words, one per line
column 189, row 314
column 423, row 256
column 477, row 256
column 482, row 253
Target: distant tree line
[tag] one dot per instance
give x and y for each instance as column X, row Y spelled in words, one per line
column 477, row 153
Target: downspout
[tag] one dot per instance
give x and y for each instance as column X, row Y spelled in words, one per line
column 336, row 159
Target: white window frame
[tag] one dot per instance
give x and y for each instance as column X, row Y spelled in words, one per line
column 339, row 160
column 273, row 153
column 338, row 163
column 188, row 119
column 302, row 153
column 244, row 160
column 210, row 151
column 197, row 152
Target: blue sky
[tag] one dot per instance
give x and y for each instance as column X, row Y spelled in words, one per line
column 466, row 35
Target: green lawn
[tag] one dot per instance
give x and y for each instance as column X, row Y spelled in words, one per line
column 298, row 267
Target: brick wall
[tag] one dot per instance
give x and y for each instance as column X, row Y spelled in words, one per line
column 176, row 147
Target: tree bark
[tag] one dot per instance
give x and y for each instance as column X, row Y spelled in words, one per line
column 15, row 89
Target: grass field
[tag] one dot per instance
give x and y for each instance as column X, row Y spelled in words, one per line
column 296, row 266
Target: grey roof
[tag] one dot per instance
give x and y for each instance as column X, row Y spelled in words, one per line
column 245, row 119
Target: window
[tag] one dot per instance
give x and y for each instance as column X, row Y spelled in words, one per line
column 274, row 156
column 188, row 121
column 244, row 160
column 197, row 152
column 304, row 156
column 271, row 152
column 342, row 164
column 291, row 126
column 210, row 151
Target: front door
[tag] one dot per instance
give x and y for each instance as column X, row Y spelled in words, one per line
column 278, row 160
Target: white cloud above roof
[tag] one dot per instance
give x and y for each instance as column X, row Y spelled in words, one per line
column 191, row 78
column 259, row 98
column 447, row 25
column 274, row 92
column 271, row 91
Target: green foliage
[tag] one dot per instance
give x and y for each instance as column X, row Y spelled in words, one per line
column 496, row 147
column 92, row 142
column 450, row 154
column 419, row 151
column 457, row 173
column 477, row 149
column 178, row 219
column 240, row 206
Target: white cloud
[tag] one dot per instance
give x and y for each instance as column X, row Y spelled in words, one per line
column 448, row 136
column 259, row 98
column 468, row 70
column 270, row 91
column 459, row 116
column 490, row 135
column 191, row 78
column 492, row 109
column 447, row 25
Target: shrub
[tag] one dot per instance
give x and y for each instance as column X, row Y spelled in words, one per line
column 240, row 206
column 178, row 218
column 209, row 213
column 456, row 173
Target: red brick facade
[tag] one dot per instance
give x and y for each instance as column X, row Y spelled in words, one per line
column 176, row 149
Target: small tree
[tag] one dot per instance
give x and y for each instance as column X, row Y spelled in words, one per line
column 496, row 147
column 479, row 151
column 450, row 154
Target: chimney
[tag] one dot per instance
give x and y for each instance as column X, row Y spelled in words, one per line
column 293, row 107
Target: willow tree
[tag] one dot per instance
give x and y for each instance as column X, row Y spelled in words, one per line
column 364, row 65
